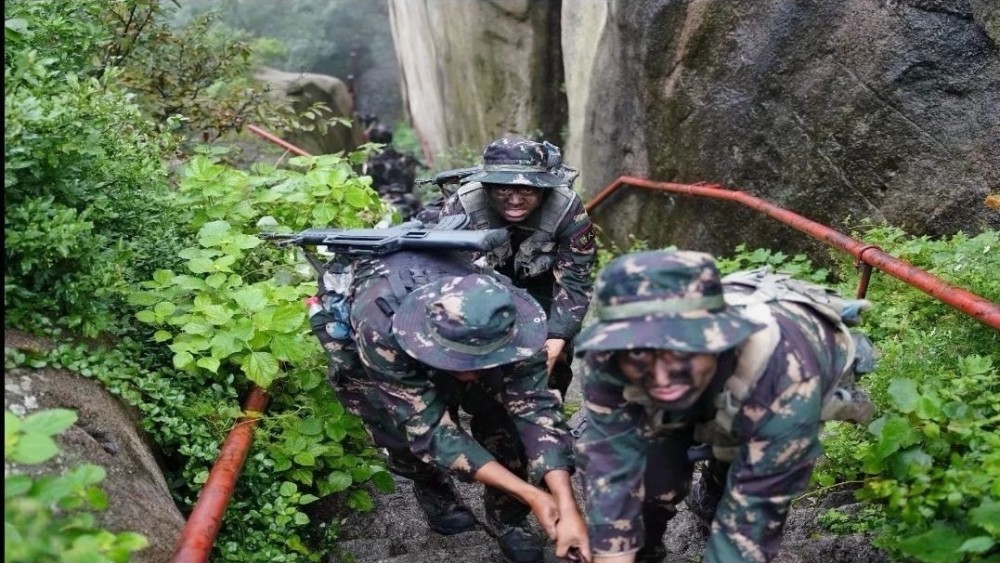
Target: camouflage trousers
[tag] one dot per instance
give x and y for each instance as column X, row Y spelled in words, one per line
column 489, row 424
column 667, row 482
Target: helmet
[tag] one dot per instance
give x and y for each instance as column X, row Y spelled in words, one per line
column 380, row 134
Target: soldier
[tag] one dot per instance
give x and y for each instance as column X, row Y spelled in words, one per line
column 431, row 336
column 671, row 364
column 389, row 166
column 524, row 188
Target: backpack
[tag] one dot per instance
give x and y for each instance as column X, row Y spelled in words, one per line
column 755, row 292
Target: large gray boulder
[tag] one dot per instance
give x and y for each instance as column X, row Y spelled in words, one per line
column 837, row 110
column 840, row 111
column 303, row 90
column 106, row 433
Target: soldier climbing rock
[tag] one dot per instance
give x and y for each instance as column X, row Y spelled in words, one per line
column 747, row 367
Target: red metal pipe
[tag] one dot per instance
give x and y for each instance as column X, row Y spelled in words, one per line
column 198, row 535
column 977, row 307
column 277, row 140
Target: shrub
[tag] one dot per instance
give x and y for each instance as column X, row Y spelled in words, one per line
column 50, row 517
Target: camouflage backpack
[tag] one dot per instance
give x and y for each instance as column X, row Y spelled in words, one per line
column 755, row 292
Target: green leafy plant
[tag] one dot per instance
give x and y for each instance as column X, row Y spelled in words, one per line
column 235, row 312
column 929, row 463
column 799, row 265
column 50, row 517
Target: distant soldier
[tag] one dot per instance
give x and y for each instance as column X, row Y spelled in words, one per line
column 393, row 173
column 748, row 366
column 433, row 336
column 524, row 187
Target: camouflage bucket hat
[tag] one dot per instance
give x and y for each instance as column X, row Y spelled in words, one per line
column 667, row 300
column 469, row 323
column 518, row 162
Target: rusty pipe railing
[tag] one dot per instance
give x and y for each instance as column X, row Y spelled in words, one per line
column 977, row 307
column 277, row 140
column 202, row 526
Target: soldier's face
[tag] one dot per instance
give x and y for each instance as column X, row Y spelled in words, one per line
column 675, row 379
column 514, row 203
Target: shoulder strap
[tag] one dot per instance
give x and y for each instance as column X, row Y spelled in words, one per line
column 477, row 206
column 555, row 208
column 751, row 361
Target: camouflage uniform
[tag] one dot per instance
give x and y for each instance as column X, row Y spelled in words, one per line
column 552, row 252
column 634, row 452
column 393, row 173
column 391, row 167
column 410, row 406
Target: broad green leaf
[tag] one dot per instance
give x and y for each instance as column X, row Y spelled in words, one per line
column 48, row 422
column 16, row 24
column 895, row 434
column 356, row 197
column 360, row 500
column 163, row 277
column 217, row 314
column 978, row 544
column 11, row 423
column 246, row 241
column 929, row 407
column 311, row 426
column 289, row 348
column 198, row 328
column 16, row 485
column 201, row 265
column 300, row 518
column 338, row 481
column 146, row 316
column 209, row 363
column 306, row 499
column 288, row 318
column 288, row 489
column 131, row 541
column 913, row 461
column 267, row 223
column 216, row 280
column 251, row 298
column 987, row 516
column 143, row 298
column 938, row 545
column 162, row 336
column 903, row 394
column 97, row 498
column 164, row 309
column 191, row 283
column 225, row 345
column 214, row 233
column 304, row 458
column 261, row 368
column 242, row 329
column 34, row 448
column 383, row 481
column 182, row 360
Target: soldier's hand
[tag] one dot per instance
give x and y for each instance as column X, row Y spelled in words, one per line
column 553, row 348
column 571, row 537
column 544, row 507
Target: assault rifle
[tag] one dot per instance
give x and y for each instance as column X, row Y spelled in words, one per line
column 411, row 235
column 445, row 177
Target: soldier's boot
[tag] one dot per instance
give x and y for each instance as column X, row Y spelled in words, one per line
column 435, row 493
column 654, row 519
column 508, row 520
column 443, row 508
column 706, row 492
